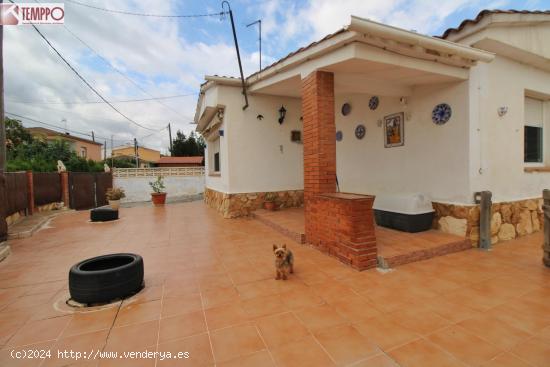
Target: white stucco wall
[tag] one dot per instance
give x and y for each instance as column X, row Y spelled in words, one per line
column 433, row 159
column 497, row 142
column 137, row 188
column 257, row 155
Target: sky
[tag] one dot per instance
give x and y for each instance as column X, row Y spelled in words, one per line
column 161, row 57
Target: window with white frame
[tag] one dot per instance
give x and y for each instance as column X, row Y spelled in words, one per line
column 533, row 131
column 83, row 152
column 214, row 163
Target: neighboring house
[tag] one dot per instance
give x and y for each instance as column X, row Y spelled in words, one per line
column 146, row 156
column 378, row 110
column 83, row 147
column 180, row 162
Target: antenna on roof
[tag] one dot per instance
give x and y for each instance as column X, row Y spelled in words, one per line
column 259, row 22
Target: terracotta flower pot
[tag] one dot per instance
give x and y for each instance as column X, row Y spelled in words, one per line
column 270, row 205
column 159, row 198
column 114, row 204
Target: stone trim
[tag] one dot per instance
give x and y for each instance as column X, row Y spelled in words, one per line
column 509, row 220
column 243, row 204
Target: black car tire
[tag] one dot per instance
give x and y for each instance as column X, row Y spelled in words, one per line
column 103, row 214
column 106, row 278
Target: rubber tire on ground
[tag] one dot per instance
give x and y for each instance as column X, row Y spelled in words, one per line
column 103, row 214
column 106, row 284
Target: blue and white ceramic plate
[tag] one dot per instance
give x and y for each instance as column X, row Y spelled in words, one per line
column 339, row 135
column 373, row 102
column 441, row 113
column 360, row 131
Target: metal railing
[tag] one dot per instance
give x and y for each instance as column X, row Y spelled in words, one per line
column 158, row 171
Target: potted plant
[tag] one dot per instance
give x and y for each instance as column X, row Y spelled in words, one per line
column 158, row 195
column 269, row 201
column 114, row 195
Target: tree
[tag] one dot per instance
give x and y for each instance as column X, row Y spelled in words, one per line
column 191, row 146
column 16, row 134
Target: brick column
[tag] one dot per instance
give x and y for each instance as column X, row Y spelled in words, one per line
column 30, row 193
column 319, row 134
column 65, row 188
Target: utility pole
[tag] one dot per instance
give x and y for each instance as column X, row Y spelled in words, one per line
column 2, row 120
column 170, row 136
column 93, row 136
column 105, row 151
column 259, row 22
column 136, row 152
column 112, row 159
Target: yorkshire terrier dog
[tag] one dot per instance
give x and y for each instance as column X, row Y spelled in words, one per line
column 284, row 261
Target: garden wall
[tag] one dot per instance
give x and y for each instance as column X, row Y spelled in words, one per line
column 180, row 182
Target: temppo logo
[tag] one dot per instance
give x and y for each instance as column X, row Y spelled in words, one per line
column 15, row 14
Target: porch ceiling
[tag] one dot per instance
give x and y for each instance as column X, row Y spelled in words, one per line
column 359, row 68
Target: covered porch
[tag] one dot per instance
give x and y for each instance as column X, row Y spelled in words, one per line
column 409, row 74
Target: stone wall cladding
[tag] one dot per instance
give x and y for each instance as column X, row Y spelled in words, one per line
column 509, row 219
column 243, row 204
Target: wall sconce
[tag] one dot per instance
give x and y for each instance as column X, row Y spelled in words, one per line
column 220, row 132
column 260, row 117
column 502, row 111
column 403, row 101
column 282, row 114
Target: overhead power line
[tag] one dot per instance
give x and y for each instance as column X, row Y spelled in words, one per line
column 107, row 62
column 62, row 128
column 102, row 102
column 124, row 12
column 87, row 83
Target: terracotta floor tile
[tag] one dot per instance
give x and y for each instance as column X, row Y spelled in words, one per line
column 126, row 361
column 38, row 331
column 281, row 329
column 198, row 347
column 320, row 317
column 380, row 360
column 133, row 337
column 420, row 320
column 135, row 313
column 355, row 308
column 147, row 294
column 535, row 351
column 226, row 315
column 82, row 344
column 506, row 360
column 216, row 297
column 385, row 333
column 258, row 359
column 345, row 344
column 85, row 322
column 451, row 311
column 464, row 346
column 422, row 353
column 177, row 327
column 303, row 353
column 235, row 341
column 263, row 306
column 295, row 300
column 179, row 305
column 258, row 289
column 494, row 330
column 6, row 358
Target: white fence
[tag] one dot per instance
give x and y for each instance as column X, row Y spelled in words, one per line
column 180, row 182
column 158, row 171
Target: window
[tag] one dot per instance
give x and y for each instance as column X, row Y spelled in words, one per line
column 533, row 131
column 83, row 152
column 217, row 162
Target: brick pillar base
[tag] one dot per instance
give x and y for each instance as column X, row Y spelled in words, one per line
column 30, row 193
column 64, row 176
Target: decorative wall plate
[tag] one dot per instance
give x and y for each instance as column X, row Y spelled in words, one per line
column 346, row 109
column 360, row 131
column 373, row 102
column 441, row 113
column 339, row 135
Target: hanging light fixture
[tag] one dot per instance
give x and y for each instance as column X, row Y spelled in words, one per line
column 282, row 114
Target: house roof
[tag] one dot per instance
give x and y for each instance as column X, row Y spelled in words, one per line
column 49, row 132
column 485, row 13
column 180, row 160
column 132, row 147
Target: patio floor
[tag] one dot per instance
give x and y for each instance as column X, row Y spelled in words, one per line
column 394, row 247
column 209, row 291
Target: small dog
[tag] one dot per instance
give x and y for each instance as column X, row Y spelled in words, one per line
column 284, row 262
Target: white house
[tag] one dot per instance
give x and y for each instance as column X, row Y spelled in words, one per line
column 384, row 111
